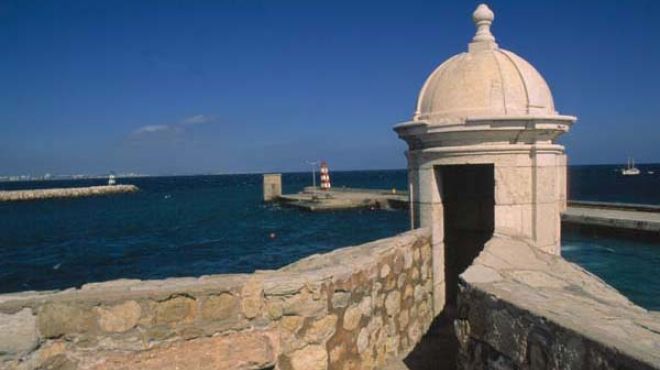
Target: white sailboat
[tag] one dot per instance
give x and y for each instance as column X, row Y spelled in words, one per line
column 630, row 170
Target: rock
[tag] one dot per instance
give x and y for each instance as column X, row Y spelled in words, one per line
column 275, row 308
column 304, row 304
column 312, row 357
column 403, row 319
column 340, row 299
column 407, row 258
column 362, row 340
column 243, row 350
column 336, row 355
column 384, row 271
column 251, row 298
column 175, row 309
column 291, row 323
column 18, row 332
column 58, row 319
column 352, row 317
column 119, row 318
column 393, row 303
column 414, row 333
column 221, row 307
column 366, row 306
column 420, row 293
column 58, row 362
column 401, row 280
column 321, row 330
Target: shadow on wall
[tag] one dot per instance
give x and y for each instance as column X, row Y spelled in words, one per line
column 438, row 347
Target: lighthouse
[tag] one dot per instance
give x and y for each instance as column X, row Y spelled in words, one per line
column 325, row 176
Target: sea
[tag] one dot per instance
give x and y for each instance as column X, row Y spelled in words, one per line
column 214, row 224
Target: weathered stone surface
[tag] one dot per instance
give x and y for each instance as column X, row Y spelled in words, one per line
column 352, row 317
column 120, row 317
column 340, row 299
column 393, row 303
column 221, row 307
column 540, row 311
column 312, row 357
column 385, row 271
column 175, row 309
column 18, row 332
column 304, row 304
column 362, row 340
column 57, row 319
column 334, row 313
column 252, row 298
column 249, row 350
column 291, row 323
column 321, row 330
column 366, row 306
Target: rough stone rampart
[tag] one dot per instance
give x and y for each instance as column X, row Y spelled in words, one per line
column 351, row 308
column 521, row 308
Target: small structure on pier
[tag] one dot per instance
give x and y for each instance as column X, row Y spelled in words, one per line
column 272, row 186
column 483, row 156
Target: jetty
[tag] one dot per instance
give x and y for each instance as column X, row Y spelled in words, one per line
column 88, row 191
column 641, row 219
column 315, row 199
column 619, row 218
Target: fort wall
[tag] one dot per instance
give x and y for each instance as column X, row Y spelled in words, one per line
column 521, row 308
column 351, row 308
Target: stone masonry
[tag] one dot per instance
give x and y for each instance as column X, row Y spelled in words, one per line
column 522, row 308
column 349, row 309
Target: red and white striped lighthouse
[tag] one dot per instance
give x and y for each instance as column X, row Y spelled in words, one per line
column 325, row 176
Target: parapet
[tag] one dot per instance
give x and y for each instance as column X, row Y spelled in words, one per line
column 521, row 308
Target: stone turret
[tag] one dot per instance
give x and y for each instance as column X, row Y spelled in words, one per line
column 483, row 155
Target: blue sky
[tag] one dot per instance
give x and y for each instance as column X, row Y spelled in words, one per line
column 163, row 87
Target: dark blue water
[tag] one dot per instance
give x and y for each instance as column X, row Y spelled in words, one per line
column 191, row 226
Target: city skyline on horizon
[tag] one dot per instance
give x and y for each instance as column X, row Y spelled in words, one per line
column 257, row 87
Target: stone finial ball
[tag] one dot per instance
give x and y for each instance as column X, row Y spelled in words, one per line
column 483, row 14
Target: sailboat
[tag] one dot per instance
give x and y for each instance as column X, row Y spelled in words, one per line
column 630, row 170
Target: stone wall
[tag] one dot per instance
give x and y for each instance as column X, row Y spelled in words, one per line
column 520, row 308
column 348, row 309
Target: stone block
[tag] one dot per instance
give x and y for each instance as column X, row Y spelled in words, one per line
column 221, row 307
column 393, row 303
column 513, row 185
column 352, row 317
column 65, row 319
column 18, row 333
column 340, row 299
column 119, row 318
column 322, row 329
column 313, row 357
column 175, row 309
column 243, row 350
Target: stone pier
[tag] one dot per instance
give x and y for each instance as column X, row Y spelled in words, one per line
column 89, row 191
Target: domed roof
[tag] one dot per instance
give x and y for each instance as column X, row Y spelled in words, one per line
column 485, row 81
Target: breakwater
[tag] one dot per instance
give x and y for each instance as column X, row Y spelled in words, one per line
column 89, row 191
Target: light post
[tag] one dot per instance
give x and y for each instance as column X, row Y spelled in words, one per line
column 313, row 164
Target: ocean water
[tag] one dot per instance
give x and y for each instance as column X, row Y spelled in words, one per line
column 197, row 225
